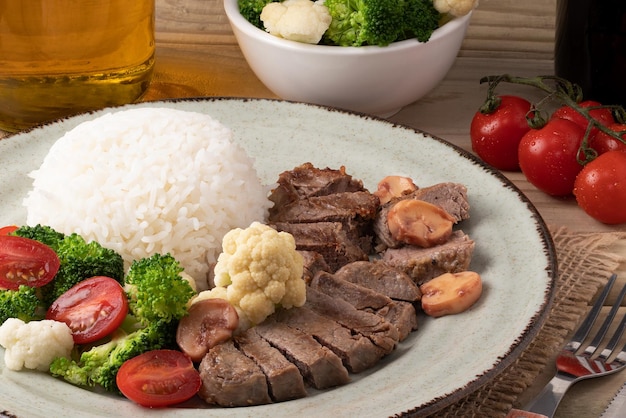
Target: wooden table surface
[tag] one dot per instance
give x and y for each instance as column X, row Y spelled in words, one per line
column 197, row 55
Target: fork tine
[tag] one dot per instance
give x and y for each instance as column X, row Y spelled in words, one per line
column 585, row 327
column 599, row 337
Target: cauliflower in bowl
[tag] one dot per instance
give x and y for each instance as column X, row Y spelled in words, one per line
column 297, row 20
column 258, row 271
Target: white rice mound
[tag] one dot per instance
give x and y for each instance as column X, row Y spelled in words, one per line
column 149, row 180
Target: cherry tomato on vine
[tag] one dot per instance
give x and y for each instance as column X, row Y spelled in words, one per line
column 603, row 142
column 158, row 378
column 93, row 308
column 24, row 261
column 600, row 188
column 547, row 156
column 604, row 115
column 496, row 135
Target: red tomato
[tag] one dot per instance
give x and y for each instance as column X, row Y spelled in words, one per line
column 158, row 378
column 602, row 142
column 547, row 156
column 93, row 308
column 600, row 188
column 495, row 136
column 6, row 230
column 604, row 115
column 24, row 261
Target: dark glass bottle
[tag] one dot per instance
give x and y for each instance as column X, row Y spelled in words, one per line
column 590, row 47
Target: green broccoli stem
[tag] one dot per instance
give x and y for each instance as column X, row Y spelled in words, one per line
column 564, row 92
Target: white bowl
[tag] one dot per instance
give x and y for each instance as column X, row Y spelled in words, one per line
column 368, row 79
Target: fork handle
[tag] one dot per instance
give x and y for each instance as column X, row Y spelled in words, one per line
column 548, row 399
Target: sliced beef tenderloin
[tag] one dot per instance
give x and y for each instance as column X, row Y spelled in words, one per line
column 283, row 377
column 320, row 367
column 402, row 316
column 306, row 180
column 230, row 378
column 424, row 264
column 451, row 197
column 330, row 239
column 313, row 262
column 358, row 296
column 382, row 333
column 381, row 277
column 338, row 207
column 357, row 353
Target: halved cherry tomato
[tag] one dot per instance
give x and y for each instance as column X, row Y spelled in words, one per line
column 158, row 378
column 24, row 261
column 604, row 143
column 600, row 188
column 495, row 136
column 93, row 308
column 603, row 115
column 6, row 230
column 547, row 156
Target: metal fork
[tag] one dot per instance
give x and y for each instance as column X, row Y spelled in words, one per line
column 575, row 363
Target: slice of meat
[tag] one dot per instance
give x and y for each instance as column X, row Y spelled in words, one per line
column 337, row 207
column 356, row 352
column 306, row 180
column 381, row 277
column 313, row 262
column 358, row 296
column 401, row 315
column 330, row 239
column 320, row 367
column 451, row 197
column 229, row 378
column 423, row 264
column 283, row 377
column 376, row 328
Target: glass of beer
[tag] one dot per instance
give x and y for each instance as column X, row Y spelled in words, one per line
column 63, row 57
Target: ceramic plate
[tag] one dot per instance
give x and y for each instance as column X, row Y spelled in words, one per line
column 446, row 359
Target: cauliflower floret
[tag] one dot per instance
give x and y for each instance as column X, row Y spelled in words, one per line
column 455, row 7
column 34, row 344
column 258, row 270
column 297, row 20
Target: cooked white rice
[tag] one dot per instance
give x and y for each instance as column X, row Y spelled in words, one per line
column 149, row 180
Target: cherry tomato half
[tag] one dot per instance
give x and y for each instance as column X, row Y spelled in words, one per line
column 604, row 115
column 158, row 378
column 602, row 142
column 547, row 156
column 495, row 136
column 600, row 188
column 24, row 261
column 6, row 230
column 93, row 308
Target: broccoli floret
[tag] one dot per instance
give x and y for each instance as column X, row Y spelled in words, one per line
column 44, row 234
column 379, row 22
column 251, row 10
column 100, row 364
column 156, row 290
column 420, row 20
column 79, row 261
column 22, row 303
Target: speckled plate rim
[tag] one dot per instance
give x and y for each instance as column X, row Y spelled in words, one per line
column 447, row 359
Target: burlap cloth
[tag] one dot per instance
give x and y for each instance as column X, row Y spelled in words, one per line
column 584, row 266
